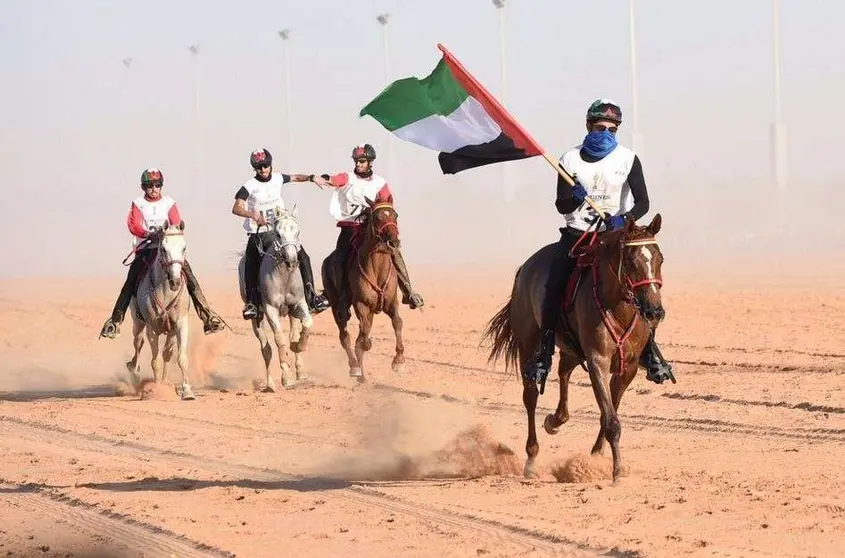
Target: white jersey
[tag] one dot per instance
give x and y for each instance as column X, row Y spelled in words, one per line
column 147, row 215
column 351, row 194
column 606, row 182
column 263, row 197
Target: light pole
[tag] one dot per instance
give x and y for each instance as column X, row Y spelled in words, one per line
column 285, row 36
column 500, row 6
column 507, row 190
column 382, row 19
column 636, row 138
column 778, row 128
column 195, row 50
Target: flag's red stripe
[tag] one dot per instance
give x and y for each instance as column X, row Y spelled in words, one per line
column 497, row 112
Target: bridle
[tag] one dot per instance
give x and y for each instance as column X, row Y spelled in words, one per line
column 644, row 282
column 380, row 229
column 279, row 245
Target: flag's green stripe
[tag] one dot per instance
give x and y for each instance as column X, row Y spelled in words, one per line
column 407, row 100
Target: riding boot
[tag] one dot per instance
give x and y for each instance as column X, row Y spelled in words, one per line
column 317, row 302
column 343, row 250
column 111, row 328
column 657, row 369
column 211, row 322
column 409, row 297
column 252, row 265
column 541, row 362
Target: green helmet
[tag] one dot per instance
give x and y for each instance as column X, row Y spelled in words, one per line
column 604, row 109
column 152, row 176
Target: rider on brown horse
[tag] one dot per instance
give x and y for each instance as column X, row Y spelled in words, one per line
column 348, row 203
column 147, row 219
column 612, row 176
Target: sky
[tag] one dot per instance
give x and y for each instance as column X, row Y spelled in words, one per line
column 77, row 126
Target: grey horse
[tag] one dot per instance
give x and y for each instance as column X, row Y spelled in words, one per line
column 282, row 294
column 161, row 306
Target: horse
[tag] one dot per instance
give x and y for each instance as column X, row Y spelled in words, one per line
column 611, row 311
column 372, row 285
column 282, row 294
column 160, row 306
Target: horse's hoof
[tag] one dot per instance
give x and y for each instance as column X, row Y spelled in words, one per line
column 362, row 379
column 356, row 372
column 302, row 376
column 270, row 387
column 547, row 425
column 188, row 395
column 530, row 472
column 398, row 368
column 289, row 385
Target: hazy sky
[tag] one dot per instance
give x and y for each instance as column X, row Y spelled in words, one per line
column 78, row 127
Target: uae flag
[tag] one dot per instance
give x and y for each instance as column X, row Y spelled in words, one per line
column 451, row 112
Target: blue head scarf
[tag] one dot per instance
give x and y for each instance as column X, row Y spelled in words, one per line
column 599, row 144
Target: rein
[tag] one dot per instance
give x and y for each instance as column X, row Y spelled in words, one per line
column 380, row 290
column 618, row 333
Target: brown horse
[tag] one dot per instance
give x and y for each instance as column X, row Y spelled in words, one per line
column 372, row 285
column 620, row 285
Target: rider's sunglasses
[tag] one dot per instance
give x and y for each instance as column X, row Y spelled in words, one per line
column 602, row 128
column 150, row 186
column 262, row 166
column 361, row 160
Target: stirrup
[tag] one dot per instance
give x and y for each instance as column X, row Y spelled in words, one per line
column 318, row 304
column 541, row 362
column 212, row 324
column 413, row 300
column 111, row 329
column 250, row 311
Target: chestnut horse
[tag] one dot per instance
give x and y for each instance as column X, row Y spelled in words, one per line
column 620, row 285
column 373, row 285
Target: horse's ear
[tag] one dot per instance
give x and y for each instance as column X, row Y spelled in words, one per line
column 654, row 227
column 181, row 225
column 369, row 201
column 277, row 211
column 294, row 211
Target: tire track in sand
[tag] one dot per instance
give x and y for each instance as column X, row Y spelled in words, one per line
column 125, row 531
column 529, row 539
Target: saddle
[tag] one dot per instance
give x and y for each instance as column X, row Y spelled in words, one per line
column 586, row 257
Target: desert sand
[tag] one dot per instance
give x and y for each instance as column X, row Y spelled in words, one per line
column 742, row 457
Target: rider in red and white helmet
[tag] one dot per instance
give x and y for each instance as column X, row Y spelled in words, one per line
column 347, row 206
column 148, row 217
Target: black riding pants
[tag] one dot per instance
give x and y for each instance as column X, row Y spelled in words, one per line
column 256, row 244
column 562, row 266
column 143, row 259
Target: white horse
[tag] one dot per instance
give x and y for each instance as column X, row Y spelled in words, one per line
column 282, row 294
column 161, row 306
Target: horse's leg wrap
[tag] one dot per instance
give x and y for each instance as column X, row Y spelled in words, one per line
column 211, row 322
column 409, row 297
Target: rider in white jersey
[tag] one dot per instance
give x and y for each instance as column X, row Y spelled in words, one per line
column 148, row 217
column 349, row 199
column 256, row 201
column 612, row 176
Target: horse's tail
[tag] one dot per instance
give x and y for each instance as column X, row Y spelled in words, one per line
column 499, row 330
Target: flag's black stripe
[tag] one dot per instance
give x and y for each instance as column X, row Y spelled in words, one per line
column 500, row 149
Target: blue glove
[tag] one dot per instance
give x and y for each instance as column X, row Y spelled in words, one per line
column 579, row 193
column 615, row 222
